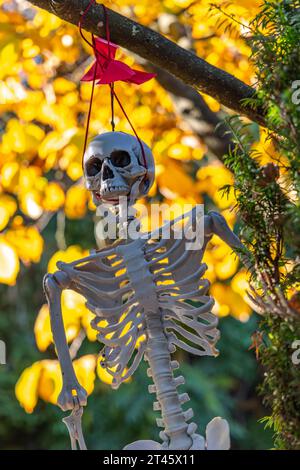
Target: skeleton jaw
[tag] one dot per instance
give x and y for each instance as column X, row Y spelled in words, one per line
column 110, row 193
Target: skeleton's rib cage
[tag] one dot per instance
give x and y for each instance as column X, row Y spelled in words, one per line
column 148, row 297
column 124, row 284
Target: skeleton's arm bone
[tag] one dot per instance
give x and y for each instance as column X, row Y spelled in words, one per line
column 215, row 223
column 72, row 393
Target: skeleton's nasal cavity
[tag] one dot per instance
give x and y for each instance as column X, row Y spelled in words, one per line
column 107, row 173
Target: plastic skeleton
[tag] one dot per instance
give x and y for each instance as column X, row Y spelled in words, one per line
column 149, row 287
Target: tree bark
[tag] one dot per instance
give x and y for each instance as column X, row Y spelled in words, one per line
column 153, row 47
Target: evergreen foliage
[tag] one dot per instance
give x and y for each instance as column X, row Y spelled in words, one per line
column 268, row 202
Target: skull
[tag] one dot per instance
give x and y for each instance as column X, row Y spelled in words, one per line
column 114, row 167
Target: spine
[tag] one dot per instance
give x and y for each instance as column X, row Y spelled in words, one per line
column 174, row 419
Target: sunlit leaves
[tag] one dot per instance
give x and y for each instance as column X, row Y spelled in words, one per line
column 229, row 302
column 43, row 380
column 54, row 142
column 9, row 263
column 42, row 329
column 9, row 175
column 50, row 381
column 75, row 314
column 27, row 242
column 8, row 207
column 85, row 371
column 72, row 253
column 54, row 197
column 104, row 373
column 9, row 58
column 76, row 202
column 27, row 387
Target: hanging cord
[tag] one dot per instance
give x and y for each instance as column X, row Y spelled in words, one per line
column 133, row 129
column 111, row 85
column 89, row 112
column 81, row 19
column 113, row 93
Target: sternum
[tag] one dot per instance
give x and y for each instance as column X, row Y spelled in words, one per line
column 165, row 387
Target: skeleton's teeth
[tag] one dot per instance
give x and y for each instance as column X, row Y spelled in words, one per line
column 112, row 189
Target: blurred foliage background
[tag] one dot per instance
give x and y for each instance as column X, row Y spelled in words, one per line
column 46, row 215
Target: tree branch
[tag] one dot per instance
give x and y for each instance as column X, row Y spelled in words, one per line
column 162, row 52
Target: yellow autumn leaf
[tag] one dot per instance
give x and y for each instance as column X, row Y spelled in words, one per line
column 8, row 58
column 210, row 273
column 55, row 141
column 87, row 317
column 42, row 329
column 72, row 253
column 140, row 340
column 76, row 202
column 21, row 138
column 50, row 383
column 219, row 248
column 228, row 302
column 8, row 203
column 54, row 197
column 170, row 177
column 240, row 283
column 142, row 115
column 4, row 217
column 84, row 368
column 74, row 313
column 179, row 152
column 10, row 176
column 74, row 171
column 210, row 101
column 224, row 200
column 31, row 204
column 103, row 373
column 9, row 263
column 27, row 242
column 26, row 389
column 62, row 85
column 227, row 267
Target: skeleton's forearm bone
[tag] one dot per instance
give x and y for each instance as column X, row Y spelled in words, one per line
column 215, row 223
column 72, row 393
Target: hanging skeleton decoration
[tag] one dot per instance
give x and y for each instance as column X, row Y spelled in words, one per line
column 150, row 291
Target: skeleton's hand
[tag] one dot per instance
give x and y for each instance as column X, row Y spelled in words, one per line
column 70, row 397
column 219, row 221
column 217, row 225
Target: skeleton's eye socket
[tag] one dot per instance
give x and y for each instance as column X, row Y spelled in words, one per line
column 93, row 166
column 120, row 158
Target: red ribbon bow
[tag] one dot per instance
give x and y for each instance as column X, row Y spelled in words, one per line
column 106, row 69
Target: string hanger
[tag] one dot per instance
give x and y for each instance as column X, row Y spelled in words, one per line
column 107, row 70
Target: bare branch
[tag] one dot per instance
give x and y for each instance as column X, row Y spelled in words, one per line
column 162, row 52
